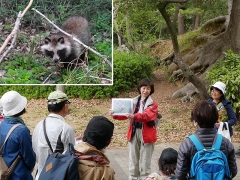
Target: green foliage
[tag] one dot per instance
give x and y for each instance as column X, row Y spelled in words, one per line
column 174, row 110
column 29, row 91
column 140, row 21
column 189, row 41
column 24, row 69
column 227, row 71
column 129, row 68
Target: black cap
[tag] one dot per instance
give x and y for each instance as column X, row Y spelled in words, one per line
column 168, row 156
column 98, row 131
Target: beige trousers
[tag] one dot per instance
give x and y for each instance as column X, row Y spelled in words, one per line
column 140, row 156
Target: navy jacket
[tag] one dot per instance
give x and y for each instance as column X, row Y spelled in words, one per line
column 19, row 142
column 232, row 119
column 187, row 150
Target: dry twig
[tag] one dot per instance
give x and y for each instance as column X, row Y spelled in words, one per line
column 13, row 34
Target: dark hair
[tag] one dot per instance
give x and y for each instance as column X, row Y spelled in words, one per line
column 167, row 161
column 222, row 97
column 167, row 169
column 20, row 113
column 56, row 107
column 145, row 82
column 205, row 114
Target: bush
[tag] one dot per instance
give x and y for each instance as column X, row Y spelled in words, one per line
column 30, row 92
column 228, row 71
column 129, row 69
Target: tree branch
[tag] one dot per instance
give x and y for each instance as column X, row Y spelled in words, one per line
column 75, row 39
column 13, row 34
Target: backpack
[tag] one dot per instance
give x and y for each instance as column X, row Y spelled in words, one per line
column 5, row 172
column 210, row 164
column 59, row 166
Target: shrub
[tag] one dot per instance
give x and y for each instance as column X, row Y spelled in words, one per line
column 228, row 71
column 129, row 69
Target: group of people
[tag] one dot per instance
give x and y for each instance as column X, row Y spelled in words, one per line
column 141, row 135
column 35, row 149
column 206, row 115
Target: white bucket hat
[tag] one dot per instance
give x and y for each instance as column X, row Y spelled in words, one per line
column 13, row 103
column 219, row 85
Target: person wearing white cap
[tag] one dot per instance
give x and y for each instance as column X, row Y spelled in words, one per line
column 19, row 141
column 52, row 134
column 224, row 107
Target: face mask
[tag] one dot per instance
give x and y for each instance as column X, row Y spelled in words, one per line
column 195, row 123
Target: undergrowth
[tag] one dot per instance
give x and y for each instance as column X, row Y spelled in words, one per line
column 34, row 28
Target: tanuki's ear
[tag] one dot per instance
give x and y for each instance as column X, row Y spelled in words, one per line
column 47, row 40
column 61, row 40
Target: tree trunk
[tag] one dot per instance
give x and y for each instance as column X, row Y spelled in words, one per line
column 60, row 88
column 181, row 24
column 178, row 58
column 175, row 17
column 196, row 22
column 232, row 35
column 117, row 29
column 129, row 32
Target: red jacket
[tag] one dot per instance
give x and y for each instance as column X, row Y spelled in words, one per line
column 150, row 113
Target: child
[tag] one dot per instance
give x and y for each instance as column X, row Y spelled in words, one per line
column 167, row 165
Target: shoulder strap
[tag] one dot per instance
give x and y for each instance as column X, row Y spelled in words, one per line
column 45, row 134
column 8, row 134
column 11, row 168
column 218, row 142
column 196, row 142
column 60, row 145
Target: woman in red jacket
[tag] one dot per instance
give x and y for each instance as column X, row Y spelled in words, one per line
column 142, row 131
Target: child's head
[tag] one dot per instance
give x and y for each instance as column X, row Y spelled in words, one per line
column 145, row 82
column 167, row 161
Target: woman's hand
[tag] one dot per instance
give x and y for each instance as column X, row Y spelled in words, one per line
column 79, row 137
column 130, row 116
column 110, row 112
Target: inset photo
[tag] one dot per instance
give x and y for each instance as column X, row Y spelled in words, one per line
column 56, row 42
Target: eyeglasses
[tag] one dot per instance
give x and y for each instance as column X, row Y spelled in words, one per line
column 68, row 102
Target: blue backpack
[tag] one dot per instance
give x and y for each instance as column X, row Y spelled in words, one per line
column 209, row 164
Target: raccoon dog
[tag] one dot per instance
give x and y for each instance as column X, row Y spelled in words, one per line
column 61, row 47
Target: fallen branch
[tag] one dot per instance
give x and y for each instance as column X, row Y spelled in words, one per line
column 13, row 34
column 75, row 39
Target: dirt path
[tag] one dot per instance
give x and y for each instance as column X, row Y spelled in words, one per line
column 174, row 126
